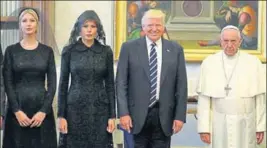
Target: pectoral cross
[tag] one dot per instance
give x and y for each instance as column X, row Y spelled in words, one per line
column 227, row 89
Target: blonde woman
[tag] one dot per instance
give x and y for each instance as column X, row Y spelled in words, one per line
column 29, row 119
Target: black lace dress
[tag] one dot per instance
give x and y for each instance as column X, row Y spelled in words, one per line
column 90, row 100
column 25, row 72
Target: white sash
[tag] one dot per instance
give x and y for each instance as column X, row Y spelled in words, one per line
column 233, row 106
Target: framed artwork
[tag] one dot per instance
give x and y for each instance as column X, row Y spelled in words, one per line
column 196, row 25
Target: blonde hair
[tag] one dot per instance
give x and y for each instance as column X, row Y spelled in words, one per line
column 30, row 11
column 154, row 13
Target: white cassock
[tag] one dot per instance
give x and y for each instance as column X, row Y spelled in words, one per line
column 232, row 119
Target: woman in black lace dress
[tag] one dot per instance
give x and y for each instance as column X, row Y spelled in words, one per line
column 29, row 120
column 86, row 109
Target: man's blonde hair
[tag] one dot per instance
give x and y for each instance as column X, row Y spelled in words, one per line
column 153, row 13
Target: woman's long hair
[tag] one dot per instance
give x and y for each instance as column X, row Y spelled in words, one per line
column 85, row 16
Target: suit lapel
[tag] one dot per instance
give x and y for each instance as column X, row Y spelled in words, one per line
column 165, row 58
column 143, row 55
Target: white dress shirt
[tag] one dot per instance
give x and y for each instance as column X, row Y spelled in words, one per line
column 159, row 59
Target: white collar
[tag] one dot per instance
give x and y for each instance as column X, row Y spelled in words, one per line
column 226, row 57
column 149, row 42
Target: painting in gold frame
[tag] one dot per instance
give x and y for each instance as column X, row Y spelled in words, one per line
column 193, row 29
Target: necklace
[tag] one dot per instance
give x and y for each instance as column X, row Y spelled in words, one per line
column 29, row 46
column 227, row 88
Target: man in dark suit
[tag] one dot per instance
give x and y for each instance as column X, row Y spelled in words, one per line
column 151, row 85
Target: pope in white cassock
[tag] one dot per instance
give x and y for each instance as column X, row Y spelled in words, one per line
column 231, row 96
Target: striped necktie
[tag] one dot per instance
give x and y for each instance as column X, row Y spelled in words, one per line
column 153, row 70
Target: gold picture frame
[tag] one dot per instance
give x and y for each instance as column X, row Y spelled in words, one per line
column 191, row 55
